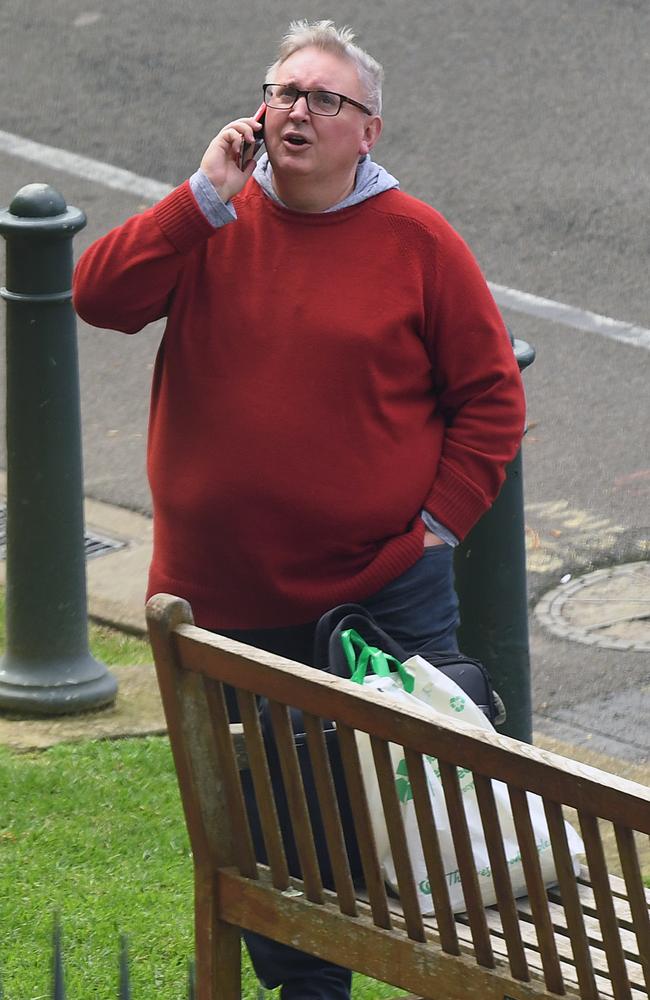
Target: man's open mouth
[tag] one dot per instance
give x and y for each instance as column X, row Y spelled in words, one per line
column 295, row 140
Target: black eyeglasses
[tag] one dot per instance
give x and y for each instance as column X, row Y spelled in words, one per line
column 319, row 102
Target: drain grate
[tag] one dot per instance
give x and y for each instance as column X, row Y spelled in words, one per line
column 608, row 608
column 95, row 545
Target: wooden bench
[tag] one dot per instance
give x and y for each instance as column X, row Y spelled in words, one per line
column 586, row 938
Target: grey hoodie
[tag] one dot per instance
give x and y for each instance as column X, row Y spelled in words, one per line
column 371, row 179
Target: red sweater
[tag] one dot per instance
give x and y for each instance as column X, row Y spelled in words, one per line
column 321, row 380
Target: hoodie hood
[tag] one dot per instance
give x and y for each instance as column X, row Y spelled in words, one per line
column 372, row 179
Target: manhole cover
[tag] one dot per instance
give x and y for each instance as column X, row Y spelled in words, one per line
column 609, row 608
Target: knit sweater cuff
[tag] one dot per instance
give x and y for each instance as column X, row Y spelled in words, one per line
column 181, row 219
column 455, row 501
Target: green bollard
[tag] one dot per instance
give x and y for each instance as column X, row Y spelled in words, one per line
column 490, row 567
column 47, row 668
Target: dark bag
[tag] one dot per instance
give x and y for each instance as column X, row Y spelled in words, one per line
column 282, row 802
column 469, row 674
column 329, row 655
column 311, row 798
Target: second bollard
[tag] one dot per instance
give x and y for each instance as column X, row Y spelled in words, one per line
column 490, row 567
column 47, row 667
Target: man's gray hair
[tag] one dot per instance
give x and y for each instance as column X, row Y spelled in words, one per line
column 325, row 35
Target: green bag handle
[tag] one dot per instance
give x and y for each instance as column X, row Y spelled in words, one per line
column 360, row 655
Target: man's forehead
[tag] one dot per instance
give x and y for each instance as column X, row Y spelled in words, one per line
column 317, row 69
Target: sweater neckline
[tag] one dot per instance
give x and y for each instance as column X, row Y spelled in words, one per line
column 310, row 218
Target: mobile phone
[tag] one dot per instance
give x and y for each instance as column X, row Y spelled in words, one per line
column 250, row 149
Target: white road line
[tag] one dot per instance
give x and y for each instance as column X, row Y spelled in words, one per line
column 83, row 166
column 144, row 187
column 579, row 319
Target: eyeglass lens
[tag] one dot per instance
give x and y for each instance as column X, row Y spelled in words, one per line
column 320, row 102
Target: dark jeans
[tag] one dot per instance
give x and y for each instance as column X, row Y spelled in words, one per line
column 418, row 608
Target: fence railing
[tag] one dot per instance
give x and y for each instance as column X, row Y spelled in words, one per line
column 58, row 991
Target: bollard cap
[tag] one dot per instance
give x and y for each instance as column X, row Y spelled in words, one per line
column 524, row 353
column 40, row 209
column 38, row 201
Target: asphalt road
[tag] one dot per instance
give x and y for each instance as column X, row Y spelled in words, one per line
column 525, row 123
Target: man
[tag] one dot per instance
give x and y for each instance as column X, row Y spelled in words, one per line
column 335, row 396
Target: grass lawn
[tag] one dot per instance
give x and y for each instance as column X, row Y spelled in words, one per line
column 95, row 832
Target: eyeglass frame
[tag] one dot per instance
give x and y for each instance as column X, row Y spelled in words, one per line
column 306, row 93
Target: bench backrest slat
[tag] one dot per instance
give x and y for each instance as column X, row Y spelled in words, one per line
column 605, row 909
column 395, row 825
column 259, row 769
column 178, row 689
column 637, row 895
column 330, row 814
column 449, row 777
column 572, row 912
column 536, row 889
column 207, row 815
column 242, row 844
column 432, row 853
column 500, row 875
column 373, row 878
column 295, row 792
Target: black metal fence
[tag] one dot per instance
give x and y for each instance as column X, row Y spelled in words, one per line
column 124, row 982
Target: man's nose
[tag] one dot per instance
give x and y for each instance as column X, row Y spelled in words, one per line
column 300, row 109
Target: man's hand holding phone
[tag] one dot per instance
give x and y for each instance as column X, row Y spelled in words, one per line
column 249, row 150
column 228, row 161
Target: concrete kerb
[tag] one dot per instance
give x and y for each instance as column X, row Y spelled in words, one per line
column 137, row 712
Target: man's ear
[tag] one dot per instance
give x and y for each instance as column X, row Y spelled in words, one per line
column 371, row 133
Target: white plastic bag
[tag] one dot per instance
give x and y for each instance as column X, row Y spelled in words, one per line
column 433, row 691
